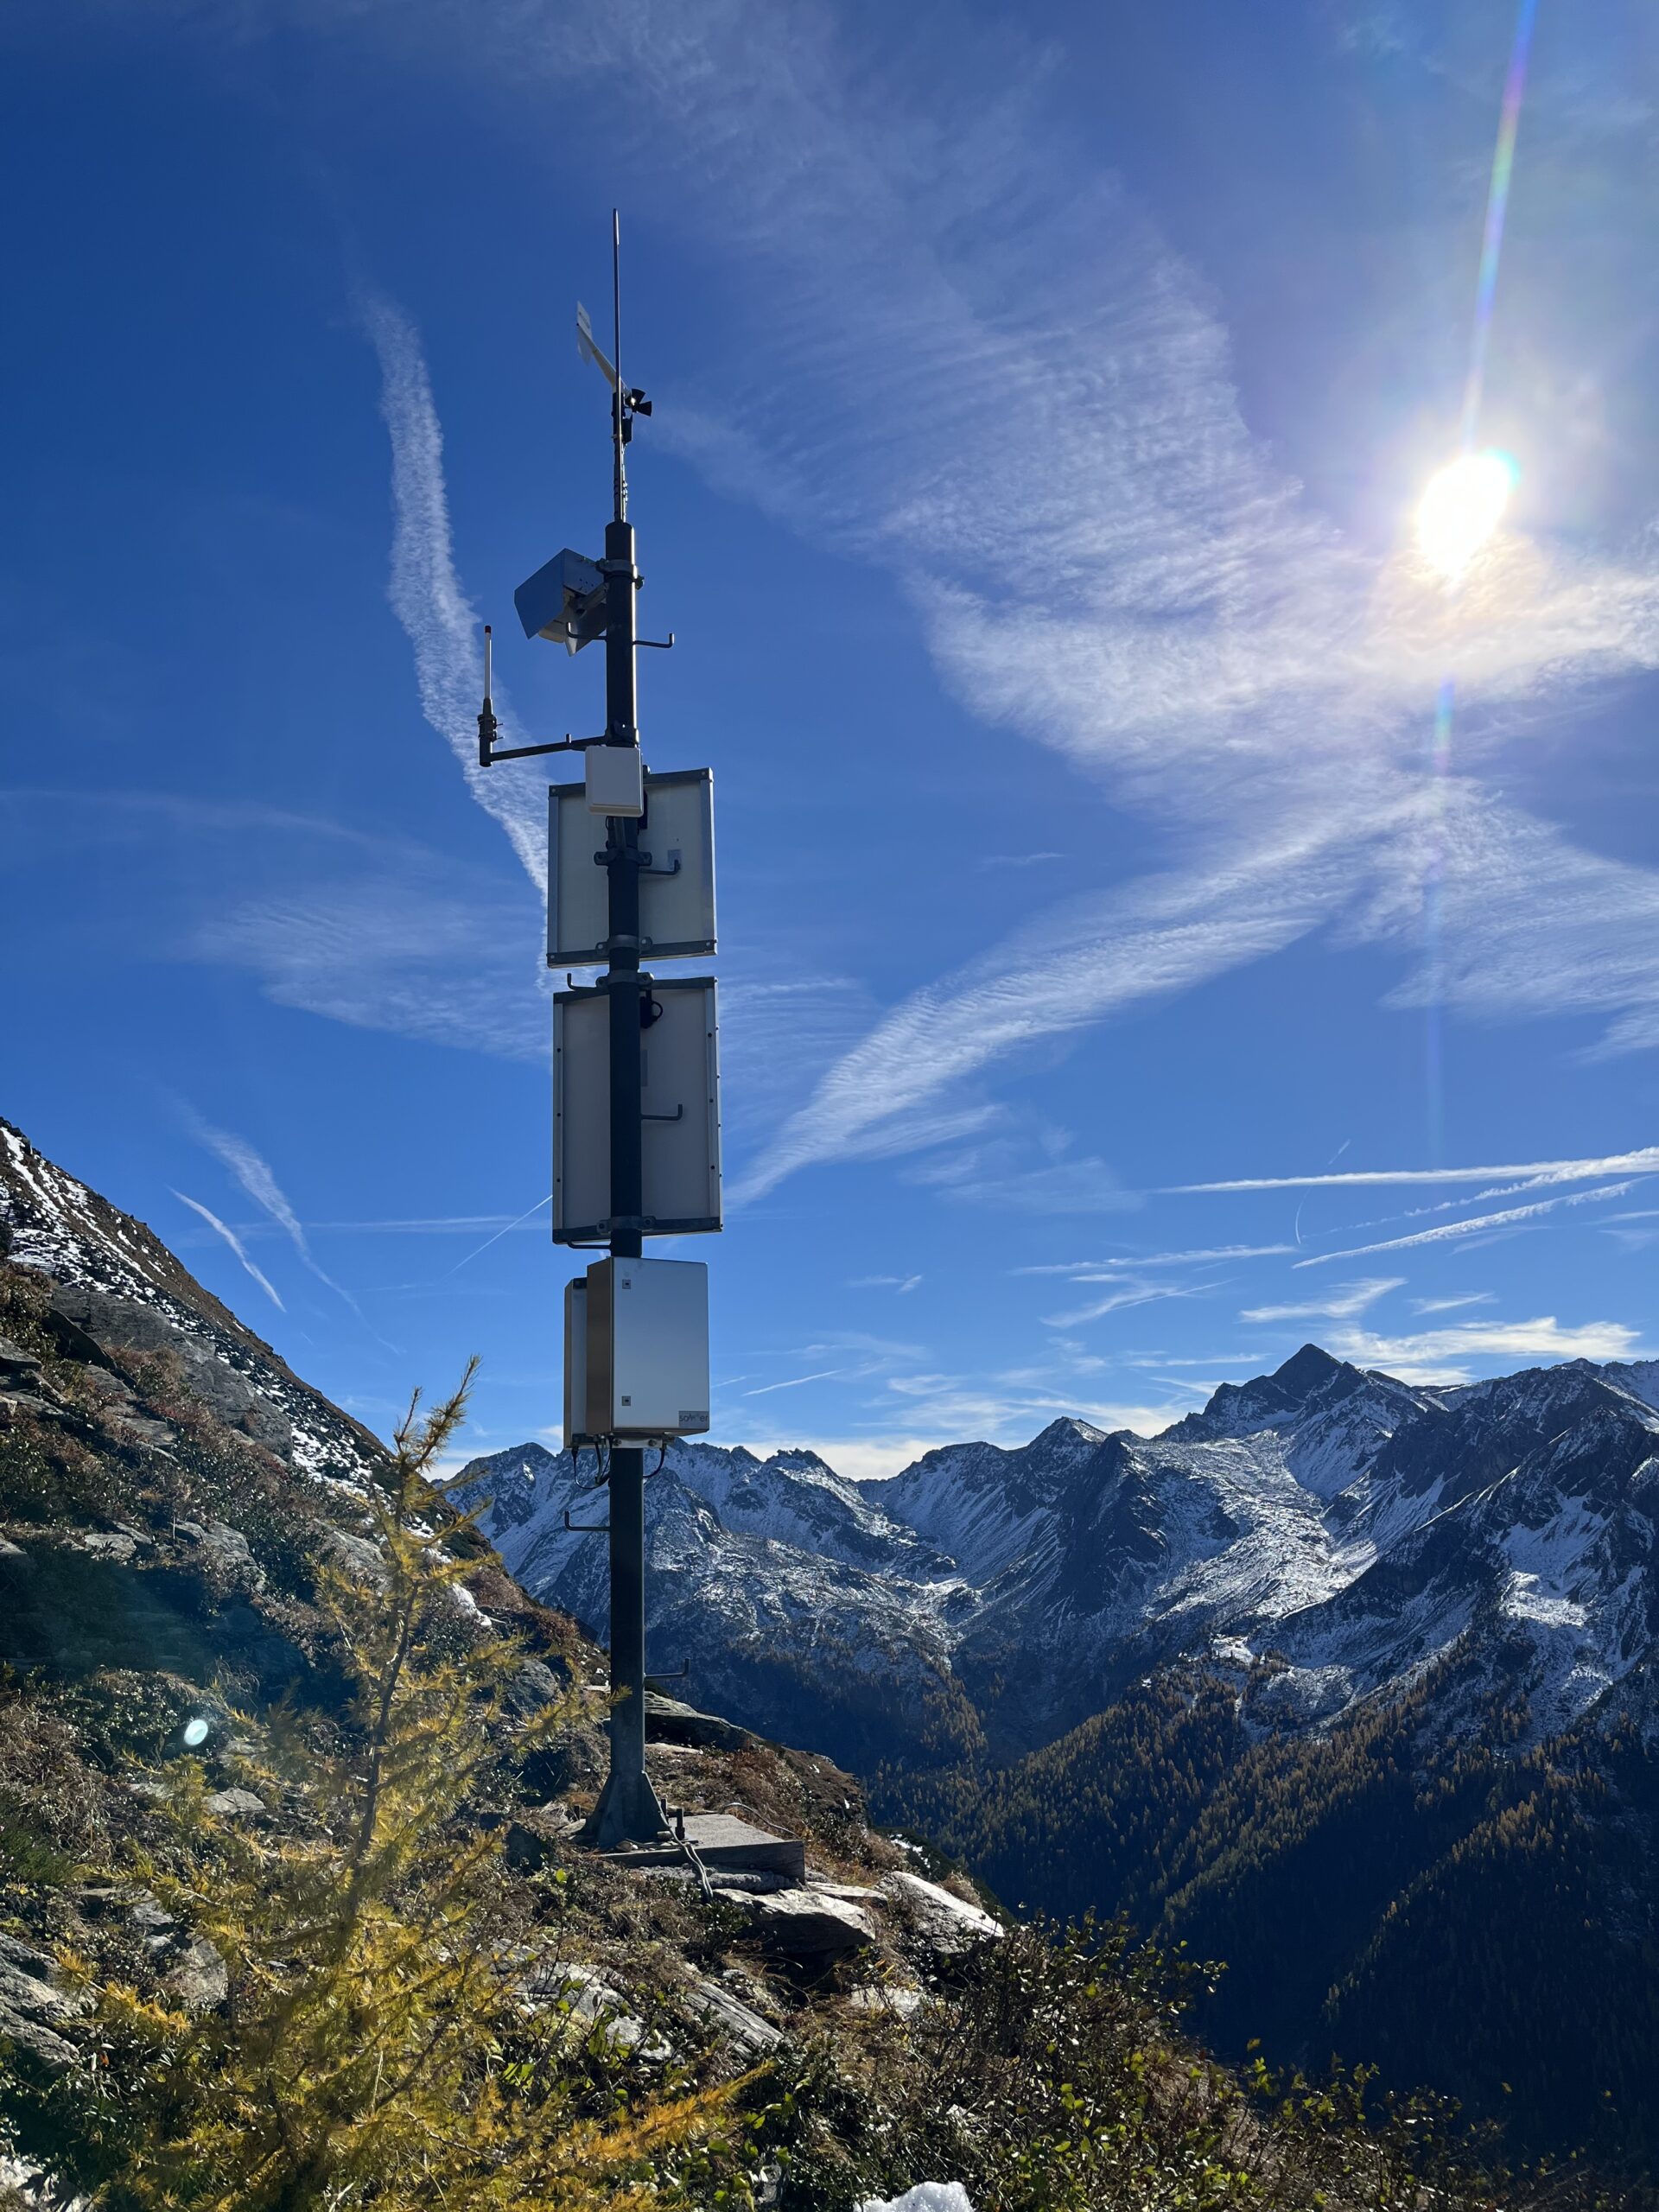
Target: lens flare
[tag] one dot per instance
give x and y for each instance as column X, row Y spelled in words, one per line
column 1462, row 507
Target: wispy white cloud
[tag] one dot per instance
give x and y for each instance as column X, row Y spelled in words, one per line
column 518, row 1221
column 1454, row 1305
column 1537, row 1173
column 794, row 1382
column 402, row 954
column 253, row 1172
column 426, row 593
column 1101, row 1270
column 1479, row 1225
column 1443, row 1355
column 1343, row 1303
column 235, row 1244
column 1167, row 608
column 1156, row 938
column 901, row 1284
column 1116, row 1301
column 1205, row 1360
column 449, row 1224
column 365, row 927
column 1001, row 1173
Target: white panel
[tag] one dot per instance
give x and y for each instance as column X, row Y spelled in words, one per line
column 648, row 1347
column 677, row 899
column 612, row 777
column 680, row 1139
column 578, row 891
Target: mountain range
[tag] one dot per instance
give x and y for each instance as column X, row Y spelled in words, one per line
column 1352, row 1528
column 1348, row 1681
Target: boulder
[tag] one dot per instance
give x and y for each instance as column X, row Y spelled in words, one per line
column 226, row 1549
column 200, row 1980
column 669, row 1721
column 31, row 2008
column 895, row 2000
column 235, row 1804
column 126, row 1325
column 946, row 1922
column 741, row 2026
column 805, row 1923
column 17, row 1365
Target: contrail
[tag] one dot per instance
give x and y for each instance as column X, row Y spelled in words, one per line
column 235, row 1244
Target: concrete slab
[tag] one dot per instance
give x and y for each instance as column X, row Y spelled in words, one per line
column 721, row 1840
column 725, row 1845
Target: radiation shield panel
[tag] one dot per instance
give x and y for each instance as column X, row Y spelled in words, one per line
column 677, row 894
column 576, row 1364
column 680, row 1105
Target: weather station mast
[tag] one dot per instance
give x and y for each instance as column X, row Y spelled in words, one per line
column 636, row 1106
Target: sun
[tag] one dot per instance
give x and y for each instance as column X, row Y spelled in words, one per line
column 1462, row 507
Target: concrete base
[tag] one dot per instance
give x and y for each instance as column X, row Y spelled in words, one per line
column 727, row 1845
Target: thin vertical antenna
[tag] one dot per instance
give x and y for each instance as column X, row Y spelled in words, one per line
column 488, row 642
column 621, row 484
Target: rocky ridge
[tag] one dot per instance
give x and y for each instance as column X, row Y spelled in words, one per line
column 1357, row 1528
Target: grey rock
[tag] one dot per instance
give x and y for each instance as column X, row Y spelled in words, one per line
column 669, row 1721
column 17, row 1365
column 28, row 2034
column 107, row 1387
column 805, row 1923
column 31, row 2008
column 227, row 1548
column 740, row 2025
column 356, row 1555
column 31, row 2185
column 592, row 2003
column 235, row 1804
column 200, row 1980
column 24, row 1958
column 15, row 1403
column 136, row 1429
column 946, row 1922
column 113, row 1543
column 899, row 2000
column 533, row 1689
column 125, row 1324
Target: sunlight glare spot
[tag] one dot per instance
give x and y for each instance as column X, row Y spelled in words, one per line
column 1462, row 507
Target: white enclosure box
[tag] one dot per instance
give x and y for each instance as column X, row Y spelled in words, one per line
column 679, row 1068
column 648, row 1348
column 614, row 779
column 576, row 1362
column 677, row 894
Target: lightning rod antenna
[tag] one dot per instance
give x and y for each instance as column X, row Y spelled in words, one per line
column 619, row 402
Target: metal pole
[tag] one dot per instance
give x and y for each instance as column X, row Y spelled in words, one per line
column 628, row 1811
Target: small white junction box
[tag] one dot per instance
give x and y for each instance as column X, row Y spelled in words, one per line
column 576, row 1362
column 615, row 777
column 648, row 1348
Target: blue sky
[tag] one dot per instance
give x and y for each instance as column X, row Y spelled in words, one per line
column 1040, row 425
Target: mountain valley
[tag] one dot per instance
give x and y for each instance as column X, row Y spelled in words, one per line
column 1346, row 1683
